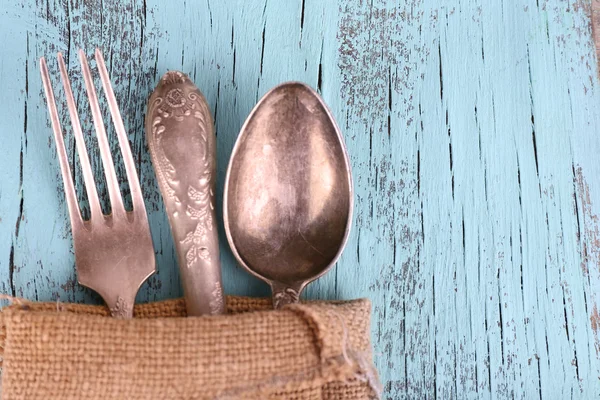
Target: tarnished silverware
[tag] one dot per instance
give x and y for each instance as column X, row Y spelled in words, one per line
column 182, row 144
column 288, row 191
column 113, row 253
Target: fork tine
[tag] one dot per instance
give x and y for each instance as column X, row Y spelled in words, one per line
column 109, row 167
column 132, row 177
column 72, row 205
column 88, row 176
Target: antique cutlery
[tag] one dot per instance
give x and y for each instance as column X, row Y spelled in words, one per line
column 114, row 254
column 182, row 143
column 288, row 191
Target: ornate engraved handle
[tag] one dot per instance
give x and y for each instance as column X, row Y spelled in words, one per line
column 182, row 145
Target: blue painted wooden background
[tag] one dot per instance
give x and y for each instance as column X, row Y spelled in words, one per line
column 472, row 127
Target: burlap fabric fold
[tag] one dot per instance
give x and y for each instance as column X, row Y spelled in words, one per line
column 315, row 350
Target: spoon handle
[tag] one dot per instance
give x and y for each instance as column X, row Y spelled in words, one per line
column 285, row 294
column 182, row 145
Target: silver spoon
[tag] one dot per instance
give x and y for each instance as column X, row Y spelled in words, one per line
column 288, row 194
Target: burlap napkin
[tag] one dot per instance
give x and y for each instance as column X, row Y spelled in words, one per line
column 315, row 350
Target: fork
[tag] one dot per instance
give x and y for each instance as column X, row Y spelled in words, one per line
column 114, row 254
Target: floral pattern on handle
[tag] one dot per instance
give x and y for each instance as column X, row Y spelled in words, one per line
column 198, row 197
column 121, row 309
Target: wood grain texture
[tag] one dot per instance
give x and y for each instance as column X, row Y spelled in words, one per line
column 472, row 130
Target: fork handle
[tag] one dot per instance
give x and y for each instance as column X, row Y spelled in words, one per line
column 182, row 145
column 121, row 307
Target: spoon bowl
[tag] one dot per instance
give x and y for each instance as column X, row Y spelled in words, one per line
column 288, row 195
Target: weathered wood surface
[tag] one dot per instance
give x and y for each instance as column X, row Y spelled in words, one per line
column 472, row 128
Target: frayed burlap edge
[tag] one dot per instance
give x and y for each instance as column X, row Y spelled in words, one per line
column 339, row 363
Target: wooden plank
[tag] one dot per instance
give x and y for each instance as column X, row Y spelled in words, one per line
column 472, row 134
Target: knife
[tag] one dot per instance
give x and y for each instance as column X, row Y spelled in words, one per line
column 181, row 138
